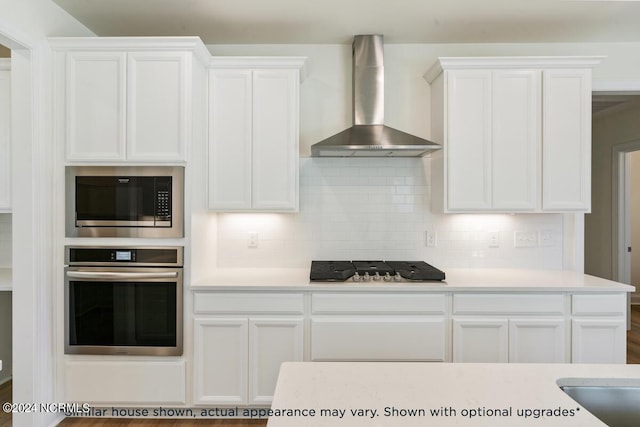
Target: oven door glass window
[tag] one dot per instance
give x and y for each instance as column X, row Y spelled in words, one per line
column 122, row 314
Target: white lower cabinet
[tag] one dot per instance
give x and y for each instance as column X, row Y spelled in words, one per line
column 240, row 340
column 501, row 328
column 599, row 328
column 378, row 326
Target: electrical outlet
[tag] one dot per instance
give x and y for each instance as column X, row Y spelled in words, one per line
column 545, row 238
column 494, row 239
column 252, row 239
column 525, row 239
column 431, row 239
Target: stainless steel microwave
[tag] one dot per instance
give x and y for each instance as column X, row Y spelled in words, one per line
column 124, row 201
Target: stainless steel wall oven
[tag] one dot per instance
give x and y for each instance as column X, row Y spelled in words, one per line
column 123, row 300
column 124, row 201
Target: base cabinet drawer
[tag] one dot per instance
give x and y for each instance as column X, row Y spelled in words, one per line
column 378, row 338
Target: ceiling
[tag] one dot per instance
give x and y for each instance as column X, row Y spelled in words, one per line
column 336, row 21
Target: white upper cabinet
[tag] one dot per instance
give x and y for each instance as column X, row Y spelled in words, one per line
column 253, row 134
column 5, row 135
column 126, row 99
column 516, row 134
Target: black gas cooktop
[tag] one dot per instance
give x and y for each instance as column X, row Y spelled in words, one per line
column 364, row 271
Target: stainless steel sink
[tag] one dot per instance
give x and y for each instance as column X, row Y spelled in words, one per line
column 614, row 402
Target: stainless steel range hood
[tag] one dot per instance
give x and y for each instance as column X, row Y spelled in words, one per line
column 369, row 137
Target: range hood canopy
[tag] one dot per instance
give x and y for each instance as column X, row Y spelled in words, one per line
column 369, row 137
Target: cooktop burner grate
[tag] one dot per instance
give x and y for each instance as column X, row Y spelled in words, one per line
column 387, row 271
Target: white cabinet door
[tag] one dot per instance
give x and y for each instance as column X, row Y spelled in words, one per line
column 271, row 342
column 5, row 140
column 493, row 140
column 483, row 340
column 515, row 139
column 253, row 140
column 230, row 139
column 220, row 361
column 537, row 340
column 96, row 106
column 599, row 340
column 275, row 140
column 157, row 105
column 468, row 155
column 357, row 338
column 566, row 140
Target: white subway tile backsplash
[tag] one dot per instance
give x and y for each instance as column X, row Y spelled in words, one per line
column 358, row 208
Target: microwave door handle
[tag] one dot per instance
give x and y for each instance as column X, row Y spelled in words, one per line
column 119, row 275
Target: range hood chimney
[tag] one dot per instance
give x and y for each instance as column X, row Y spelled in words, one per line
column 369, row 137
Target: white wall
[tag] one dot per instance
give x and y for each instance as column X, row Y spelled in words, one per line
column 341, row 213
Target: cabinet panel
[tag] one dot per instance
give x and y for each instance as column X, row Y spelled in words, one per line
column 353, row 338
column 599, row 305
column 96, row 105
column 5, row 140
column 468, row 146
column 126, row 382
column 599, row 341
column 566, row 137
column 247, row 302
column 379, row 303
column 230, row 134
column 515, row 142
column 537, row 340
column 157, row 105
column 272, row 342
column 488, row 303
column 481, row 340
column 275, row 140
column 220, row 361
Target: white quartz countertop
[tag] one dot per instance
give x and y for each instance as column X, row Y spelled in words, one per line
column 472, row 394
column 296, row 279
column 5, row 279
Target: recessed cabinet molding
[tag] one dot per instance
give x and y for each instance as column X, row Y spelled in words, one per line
column 5, row 135
column 253, row 134
column 126, row 99
column 516, row 134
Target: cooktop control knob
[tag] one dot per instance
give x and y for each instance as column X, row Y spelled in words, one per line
column 397, row 277
column 356, row 277
column 377, row 277
column 367, row 277
column 387, row 277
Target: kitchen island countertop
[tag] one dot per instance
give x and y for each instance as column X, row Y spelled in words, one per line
column 457, row 279
column 460, row 394
column 5, row 279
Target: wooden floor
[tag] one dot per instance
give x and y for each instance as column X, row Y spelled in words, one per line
column 5, row 396
column 633, row 356
column 633, row 336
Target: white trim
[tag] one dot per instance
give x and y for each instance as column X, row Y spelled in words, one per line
column 5, row 64
column 506, row 62
column 261, row 62
column 193, row 44
column 620, row 219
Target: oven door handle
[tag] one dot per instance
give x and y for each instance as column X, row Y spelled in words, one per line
column 120, row 275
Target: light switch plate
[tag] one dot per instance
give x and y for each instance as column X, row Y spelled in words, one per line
column 525, row 239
